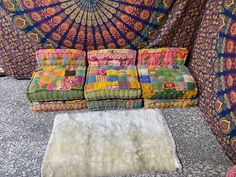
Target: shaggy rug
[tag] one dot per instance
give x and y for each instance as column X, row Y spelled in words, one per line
column 107, row 143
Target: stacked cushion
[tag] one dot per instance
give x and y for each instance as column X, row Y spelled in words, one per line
column 112, row 80
column 165, row 81
column 58, row 81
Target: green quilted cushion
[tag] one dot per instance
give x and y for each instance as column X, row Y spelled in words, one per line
column 57, row 82
column 106, row 82
column 167, row 82
column 114, row 104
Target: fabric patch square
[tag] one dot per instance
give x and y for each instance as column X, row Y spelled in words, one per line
column 70, row 73
column 91, row 79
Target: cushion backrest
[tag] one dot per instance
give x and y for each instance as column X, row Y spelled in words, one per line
column 63, row 57
column 162, row 56
column 111, row 57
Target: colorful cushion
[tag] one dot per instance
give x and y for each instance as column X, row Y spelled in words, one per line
column 115, row 104
column 105, row 82
column 52, row 106
column 63, row 57
column 112, row 57
column 57, row 83
column 166, row 82
column 176, row 103
column 162, row 56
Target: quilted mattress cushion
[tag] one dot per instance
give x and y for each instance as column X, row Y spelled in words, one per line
column 57, row 83
column 167, row 82
column 112, row 57
column 162, row 56
column 105, row 82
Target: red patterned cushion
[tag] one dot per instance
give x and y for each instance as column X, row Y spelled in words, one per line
column 162, row 56
column 112, row 57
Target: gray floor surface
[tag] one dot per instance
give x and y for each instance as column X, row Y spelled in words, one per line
column 24, row 136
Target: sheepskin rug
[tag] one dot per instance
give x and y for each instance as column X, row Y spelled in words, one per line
column 107, row 143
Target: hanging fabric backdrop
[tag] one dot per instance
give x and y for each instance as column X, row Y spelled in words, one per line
column 89, row 24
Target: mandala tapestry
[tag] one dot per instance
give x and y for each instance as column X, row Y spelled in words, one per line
column 32, row 25
column 89, row 24
column 216, row 46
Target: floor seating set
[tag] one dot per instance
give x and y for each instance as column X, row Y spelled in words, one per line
column 69, row 79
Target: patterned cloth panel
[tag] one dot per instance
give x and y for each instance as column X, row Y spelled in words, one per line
column 57, row 83
column 162, row 56
column 55, row 106
column 112, row 57
column 105, row 82
column 176, row 103
column 167, row 82
column 115, row 104
column 63, row 57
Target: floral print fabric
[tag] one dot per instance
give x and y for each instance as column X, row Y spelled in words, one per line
column 112, row 57
column 162, row 56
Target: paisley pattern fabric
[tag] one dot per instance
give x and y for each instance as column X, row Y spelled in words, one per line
column 115, row 104
column 162, row 56
column 225, row 81
column 105, row 82
column 55, row 106
column 57, row 83
column 166, row 82
column 175, row 103
column 89, row 24
column 61, row 57
column 112, row 57
column 213, row 66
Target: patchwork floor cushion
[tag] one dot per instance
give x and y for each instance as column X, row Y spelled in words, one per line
column 60, row 75
column 177, row 103
column 57, row 83
column 51, row 106
column 166, row 82
column 115, row 104
column 107, row 82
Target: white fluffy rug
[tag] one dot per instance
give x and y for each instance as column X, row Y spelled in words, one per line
column 107, row 143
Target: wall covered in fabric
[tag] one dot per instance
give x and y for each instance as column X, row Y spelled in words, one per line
column 206, row 27
column 213, row 64
column 76, row 24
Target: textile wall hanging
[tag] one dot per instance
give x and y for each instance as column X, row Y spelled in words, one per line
column 32, row 25
column 216, row 46
column 89, row 24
